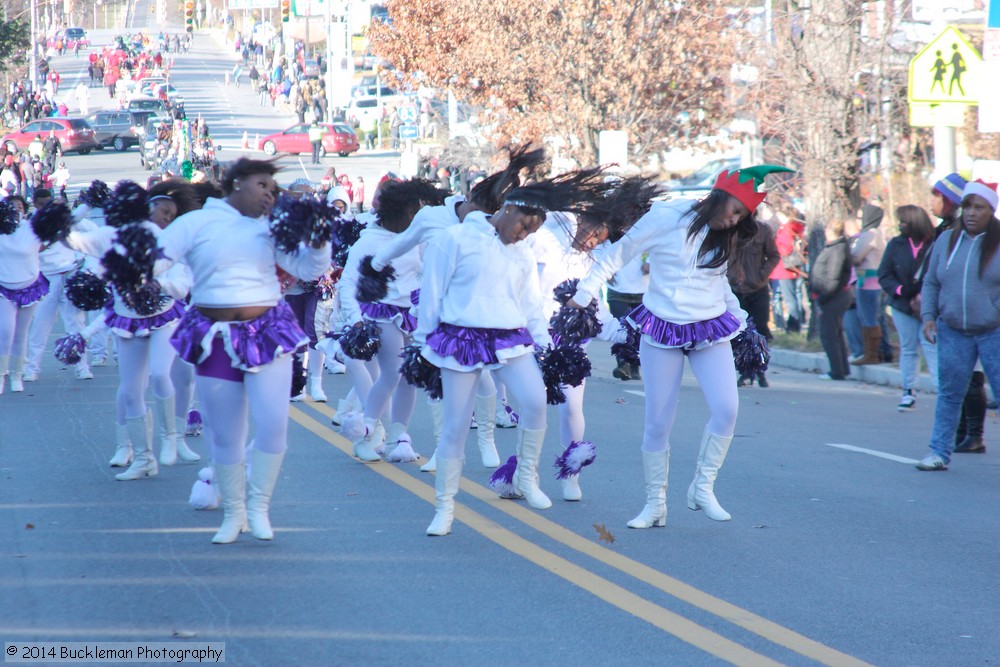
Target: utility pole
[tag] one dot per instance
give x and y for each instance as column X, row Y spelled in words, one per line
column 33, row 65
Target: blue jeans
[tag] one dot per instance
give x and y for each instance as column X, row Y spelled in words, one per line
column 957, row 354
column 911, row 341
column 852, row 328
column 791, row 294
column 868, row 301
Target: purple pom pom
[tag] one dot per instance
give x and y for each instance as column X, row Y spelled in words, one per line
column 502, row 479
column 573, row 460
column 373, row 286
column 419, row 372
column 554, row 394
column 70, row 349
column 96, row 195
column 86, row 291
column 145, row 300
column 565, row 290
column 194, row 423
column 361, row 342
column 346, row 235
column 568, row 363
column 294, row 220
column 129, row 266
column 575, row 325
column 127, row 204
column 627, row 352
column 52, row 223
column 751, row 352
column 10, row 217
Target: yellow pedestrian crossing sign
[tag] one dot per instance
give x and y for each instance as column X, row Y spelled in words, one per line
column 946, row 70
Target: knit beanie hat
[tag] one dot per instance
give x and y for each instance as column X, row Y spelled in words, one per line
column 950, row 187
column 987, row 191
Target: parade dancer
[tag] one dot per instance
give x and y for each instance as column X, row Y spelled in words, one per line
column 481, row 308
column 565, row 249
column 22, row 286
column 688, row 311
column 144, row 353
column 486, row 197
column 398, row 203
column 240, row 336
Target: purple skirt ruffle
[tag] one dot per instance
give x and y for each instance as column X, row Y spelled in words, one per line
column 29, row 295
column 249, row 345
column 685, row 336
column 472, row 347
column 139, row 327
column 385, row 312
column 415, row 297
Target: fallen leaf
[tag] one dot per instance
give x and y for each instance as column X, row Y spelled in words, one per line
column 29, row 526
column 620, row 401
column 184, row 634
column 352, row 493
column 603, row 534
column 760, row 525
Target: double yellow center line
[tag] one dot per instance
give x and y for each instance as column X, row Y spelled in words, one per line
column 660, row 617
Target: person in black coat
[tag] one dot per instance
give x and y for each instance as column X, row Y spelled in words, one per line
column 901, row 274
column 828, row 282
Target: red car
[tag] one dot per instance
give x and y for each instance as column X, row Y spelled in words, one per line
column 338, row 138
column 74, row 134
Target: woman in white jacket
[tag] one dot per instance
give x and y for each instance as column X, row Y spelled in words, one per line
column 481, row 308
column 688, row 311
column 144, row 356
column 22, row 286
column 240, row 336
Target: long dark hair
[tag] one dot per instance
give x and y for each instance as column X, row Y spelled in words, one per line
column 399, row 201
column 991, row 239
column 490, row 192
column 918, row 222
column 179, row 191
column 571, row 192
column 630, row 200
column 719, row 246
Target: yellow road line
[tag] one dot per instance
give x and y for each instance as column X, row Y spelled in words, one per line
column 668, row 621
column 738, row 616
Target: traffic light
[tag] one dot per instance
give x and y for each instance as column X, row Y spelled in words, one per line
column 286, row 10
column 189, row 16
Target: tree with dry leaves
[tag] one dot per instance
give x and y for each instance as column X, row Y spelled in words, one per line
column 564, row 70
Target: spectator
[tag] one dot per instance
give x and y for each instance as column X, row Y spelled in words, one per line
column 901, row 275
column 345, row 182
column 749, row 281
column 959, row 313
column 359, row 193
column 315, row 139
column 791, row 270
column 828, row 281
column 866, row 255
column 51, row 147
column 624, row 293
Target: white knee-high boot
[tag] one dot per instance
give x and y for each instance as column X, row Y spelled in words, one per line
column 366, row 447
column 526, row 476
column 140, row 432
column 168, row 429
column 449, row 476
column 655, row 466
column 123, row 448
column 315, row 368
column 701, row 493
column 263, row 477
column 231, row 480
column 437, row 419
column 485, row 427
column 184, row 453
column 16, row 374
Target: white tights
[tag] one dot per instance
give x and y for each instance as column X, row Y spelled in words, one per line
column 663, row 368
column 388, row 384
column 523, row 377
column 14, row 323
column 138, row 358
column 226, row 405
column 362, row 375
column 182, row 375
column 571, row 420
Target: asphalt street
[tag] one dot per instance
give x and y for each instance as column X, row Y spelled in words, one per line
column 839, row 551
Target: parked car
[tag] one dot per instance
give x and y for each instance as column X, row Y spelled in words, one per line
column 70, row 37
column 149, row 104
column 74, row 135
column 114, row 128
column 167, row 93
column 699, row 183
column 339, row 138
column 361, row 108
column 144, row 87
column 310, row 68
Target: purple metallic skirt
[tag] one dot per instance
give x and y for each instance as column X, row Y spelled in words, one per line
column 693, row 336
column 250, row 345
column 29, row 295
column 385, row 312
column 466, row 348
column 140, row 327
column 415, row 297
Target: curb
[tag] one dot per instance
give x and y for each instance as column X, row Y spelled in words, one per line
column 816, row 362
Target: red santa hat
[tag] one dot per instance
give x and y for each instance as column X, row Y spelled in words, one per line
column 987, row 191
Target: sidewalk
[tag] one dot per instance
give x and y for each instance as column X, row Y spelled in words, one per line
column 816, row 362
